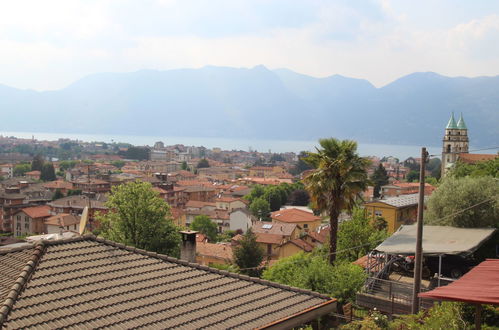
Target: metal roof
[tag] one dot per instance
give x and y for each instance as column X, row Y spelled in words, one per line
column 460, row 123
column 436, row 240
column 452, row 123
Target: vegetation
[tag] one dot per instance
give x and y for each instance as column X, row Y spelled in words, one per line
column 260, row 208
column 138, row 153
column 479, row 196
column 140, row 218
column 203, row 163
column 58, row 194
column 118, row 163
column 37, row 163
column 359, row 232
column 248, row 255
column 21, row 169
column 313, row 272
column 338, row 178
column 488, row 168
column 48, row 172
column 301, row 166
column 299, row 197
column 204, row 225
column 379, row 178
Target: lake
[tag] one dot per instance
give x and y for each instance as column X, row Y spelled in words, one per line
column 365, row 149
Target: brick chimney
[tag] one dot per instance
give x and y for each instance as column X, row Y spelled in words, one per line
column 188, row 247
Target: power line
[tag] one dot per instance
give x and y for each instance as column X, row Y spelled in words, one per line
column 359, row 246
column 482, row 149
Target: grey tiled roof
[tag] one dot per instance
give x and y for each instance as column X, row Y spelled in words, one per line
column 86, row 282
column 401, row 201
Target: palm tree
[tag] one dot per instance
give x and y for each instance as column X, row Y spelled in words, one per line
column 340, row 175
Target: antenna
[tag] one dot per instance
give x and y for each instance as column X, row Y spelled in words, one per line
column 83, row 220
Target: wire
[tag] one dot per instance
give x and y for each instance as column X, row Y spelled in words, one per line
column 359, row 246
column 467, row 152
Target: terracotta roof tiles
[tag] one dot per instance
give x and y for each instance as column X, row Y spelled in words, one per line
column 86, row 282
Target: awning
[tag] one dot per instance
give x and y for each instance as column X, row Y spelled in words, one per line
column 480, row 285
column 436, row 240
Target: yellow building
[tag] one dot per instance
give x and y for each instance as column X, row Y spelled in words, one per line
column 396, row 211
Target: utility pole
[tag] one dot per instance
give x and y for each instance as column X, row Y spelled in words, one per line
column 419, row 239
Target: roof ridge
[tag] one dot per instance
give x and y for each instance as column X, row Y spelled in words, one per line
column 21, row 281
column 92, row 237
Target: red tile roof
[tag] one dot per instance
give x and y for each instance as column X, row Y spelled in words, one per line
column 63, row 219
column 59, row 184
column 37, row 211
column 302, row 244
column 293, row 215
column 219, row 251
column 476, row 158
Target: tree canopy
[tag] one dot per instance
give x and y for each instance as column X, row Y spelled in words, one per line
column 37, row 163
column 358, row 232
column 477, row 198
column 488, row 168
column 338, row 179
column 260, row 208
column 139, row 217
column 204, row 225
column 48, row 172
column 313, row 272
column 379, row 179
column 248, row 255
column 203, row 163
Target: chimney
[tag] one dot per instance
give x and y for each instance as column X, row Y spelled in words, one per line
column 188, row 247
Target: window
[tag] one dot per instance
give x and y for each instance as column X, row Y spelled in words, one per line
column 18, row 225
column 26, row 225
column 305, row 225
column 378, row 213
column 19, row 218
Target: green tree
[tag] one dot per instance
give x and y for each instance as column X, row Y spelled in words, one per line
column 138, row 153
column 203, row 163
column 58, row 194
column 488, row 168
column 338, row 179
column 204, row 225
column 301, row 164
column 184, row 166
column 434, row 167
column 313, row 272
column 299, row 197
column 274, row 197
column 118, row 163
column 48, row 172
column 256, row 191
column 379, row 178
column 67, row 164
column 139, row 217
column 21, row 169
column 260, row 208
column 358, row 232
column 479, row 196
column 248, row 255
column 37, row 163
column 412, row 176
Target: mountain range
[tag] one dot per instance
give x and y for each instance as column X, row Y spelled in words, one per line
column 259, row 103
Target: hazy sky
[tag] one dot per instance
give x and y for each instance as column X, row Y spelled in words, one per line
column 49, row 44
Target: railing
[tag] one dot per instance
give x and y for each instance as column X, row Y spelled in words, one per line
column 389, row 296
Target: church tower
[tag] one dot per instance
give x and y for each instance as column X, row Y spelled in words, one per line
column 455, row 142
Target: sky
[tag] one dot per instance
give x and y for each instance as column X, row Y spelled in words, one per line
column 47, row 45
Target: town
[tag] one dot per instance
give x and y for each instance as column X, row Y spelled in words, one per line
column 249, row 213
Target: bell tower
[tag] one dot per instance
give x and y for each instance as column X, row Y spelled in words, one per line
column 454, row 143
